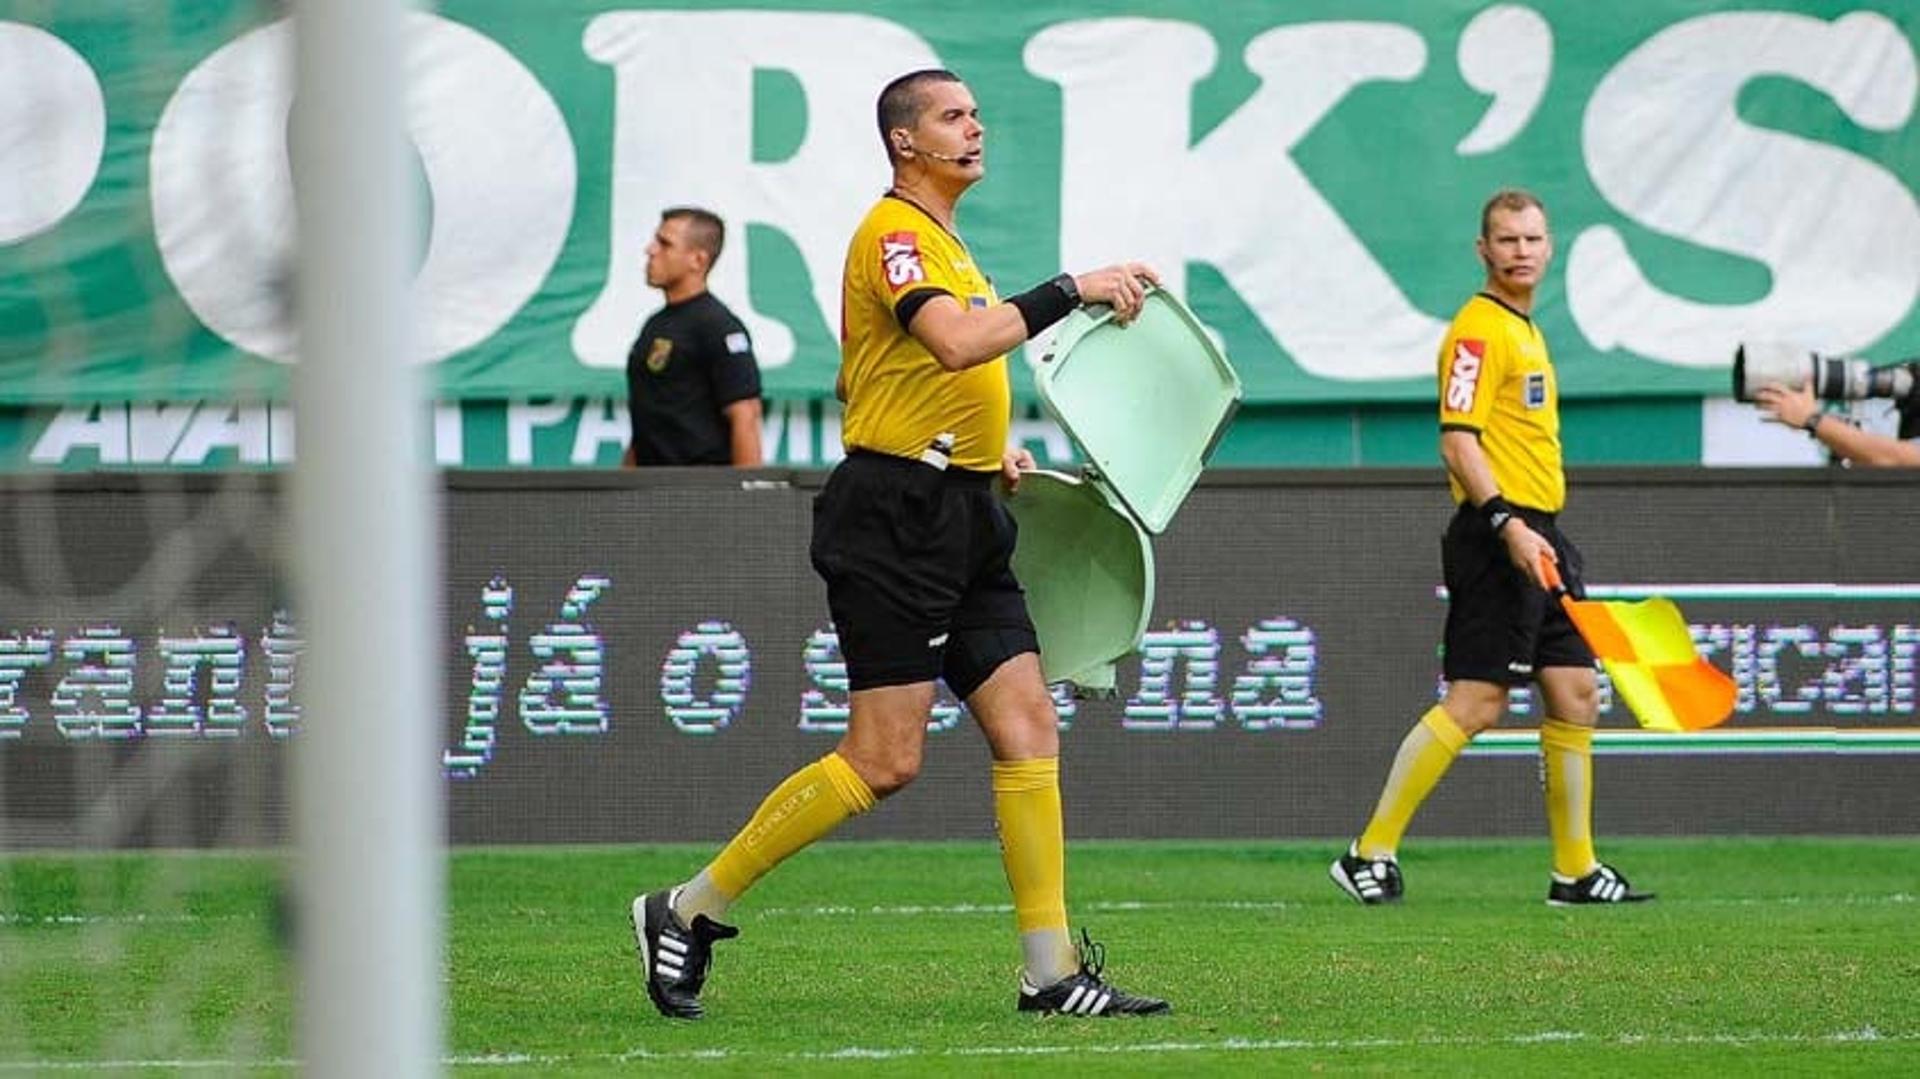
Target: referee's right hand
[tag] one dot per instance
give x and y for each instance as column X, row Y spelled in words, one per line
column 1526, row 548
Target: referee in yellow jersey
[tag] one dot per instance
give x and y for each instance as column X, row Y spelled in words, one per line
column 1500, row 440
column 916, row 553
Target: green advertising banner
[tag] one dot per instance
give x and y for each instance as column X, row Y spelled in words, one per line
column 1308, row 174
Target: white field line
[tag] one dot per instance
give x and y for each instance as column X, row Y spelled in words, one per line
column 1865, row 1035
column 9, row 918
column 1127, row 905
column 915, row 910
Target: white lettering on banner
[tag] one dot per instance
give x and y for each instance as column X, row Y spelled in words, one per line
column 1187, row 682
column 494, row 147
column 687, row 710
column 832, row 447
column 154, row 428
column 1665, row 143
column 449, row 434
column 577, row 432
column 280, row 434
column 793, row 422
column 53, row 125
column 790, row 420
column 564, row 694
column 1506, row 52
column 181, row 712
column 98, row 427
column 602, row 420
column 1248, row 208
column 665, row 153
column 487, row 648
column 523, row 416
column 242, row 428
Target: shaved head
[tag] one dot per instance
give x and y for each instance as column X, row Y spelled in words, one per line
column 903, row 100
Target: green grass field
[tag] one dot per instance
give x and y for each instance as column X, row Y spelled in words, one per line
column 1797, row 956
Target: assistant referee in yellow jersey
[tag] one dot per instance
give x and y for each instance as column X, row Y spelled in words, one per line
column 1500, row 439
column 916, row 552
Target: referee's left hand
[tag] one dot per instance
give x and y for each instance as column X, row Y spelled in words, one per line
column 1122, row 287
column 1012, row 463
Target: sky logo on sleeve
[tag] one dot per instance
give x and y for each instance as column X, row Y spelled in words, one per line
column 1463, row 374
column 900, row 259
column 738, row 344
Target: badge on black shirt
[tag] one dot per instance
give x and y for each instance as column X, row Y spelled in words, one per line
column 657, row 354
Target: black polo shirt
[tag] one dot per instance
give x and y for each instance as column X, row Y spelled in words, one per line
column 691, row 359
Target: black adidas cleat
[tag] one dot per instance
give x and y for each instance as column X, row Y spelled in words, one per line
column 1370, row 881
column 1603, row 885
column 674, row 958
column 1084, row 993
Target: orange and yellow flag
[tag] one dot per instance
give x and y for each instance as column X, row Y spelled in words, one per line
column 1648, row 652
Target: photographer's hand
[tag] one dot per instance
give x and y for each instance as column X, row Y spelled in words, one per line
column 1791, row 406
column 1796, row 407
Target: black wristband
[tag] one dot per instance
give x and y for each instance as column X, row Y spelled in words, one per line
column 1498, row 512
column 1812, row 426
column 1046, row 303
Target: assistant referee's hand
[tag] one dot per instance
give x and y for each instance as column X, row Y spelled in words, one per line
column 1526, row 548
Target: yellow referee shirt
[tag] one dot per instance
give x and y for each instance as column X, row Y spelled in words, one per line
column 899, row 398
column 1497, row 380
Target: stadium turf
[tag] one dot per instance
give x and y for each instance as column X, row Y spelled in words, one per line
column 1791, row 956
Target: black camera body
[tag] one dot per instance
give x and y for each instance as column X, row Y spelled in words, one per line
column 1832, row 378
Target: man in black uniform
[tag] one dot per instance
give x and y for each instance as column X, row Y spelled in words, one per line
column 693, row 387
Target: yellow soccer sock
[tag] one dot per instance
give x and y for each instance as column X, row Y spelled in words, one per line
column 810, row 804
column 1033, row 848
column 1566, row 759
column 1425, row 755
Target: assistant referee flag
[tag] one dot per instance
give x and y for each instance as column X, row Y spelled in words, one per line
column 1648, row 652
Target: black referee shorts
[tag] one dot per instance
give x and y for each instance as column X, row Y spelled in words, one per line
column 1500, row 628
column 918, row 565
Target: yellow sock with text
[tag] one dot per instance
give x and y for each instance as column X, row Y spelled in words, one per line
column 1566, row 768
column 810, row 804
column 1033, row 848
column 1425, row 755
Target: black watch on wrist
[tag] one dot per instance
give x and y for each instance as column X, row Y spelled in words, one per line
column 1065, row 283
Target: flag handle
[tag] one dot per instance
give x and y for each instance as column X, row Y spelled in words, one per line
column 1551, row 574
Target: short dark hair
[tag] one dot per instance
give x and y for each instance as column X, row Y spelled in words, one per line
column 705, row 230
column 1512, row 200
column 904, row 99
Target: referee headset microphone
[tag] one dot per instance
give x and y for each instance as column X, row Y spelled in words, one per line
column 906, row 146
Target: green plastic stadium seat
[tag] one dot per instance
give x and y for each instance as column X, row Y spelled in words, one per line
column 1145, row 405
column 1087, row 566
